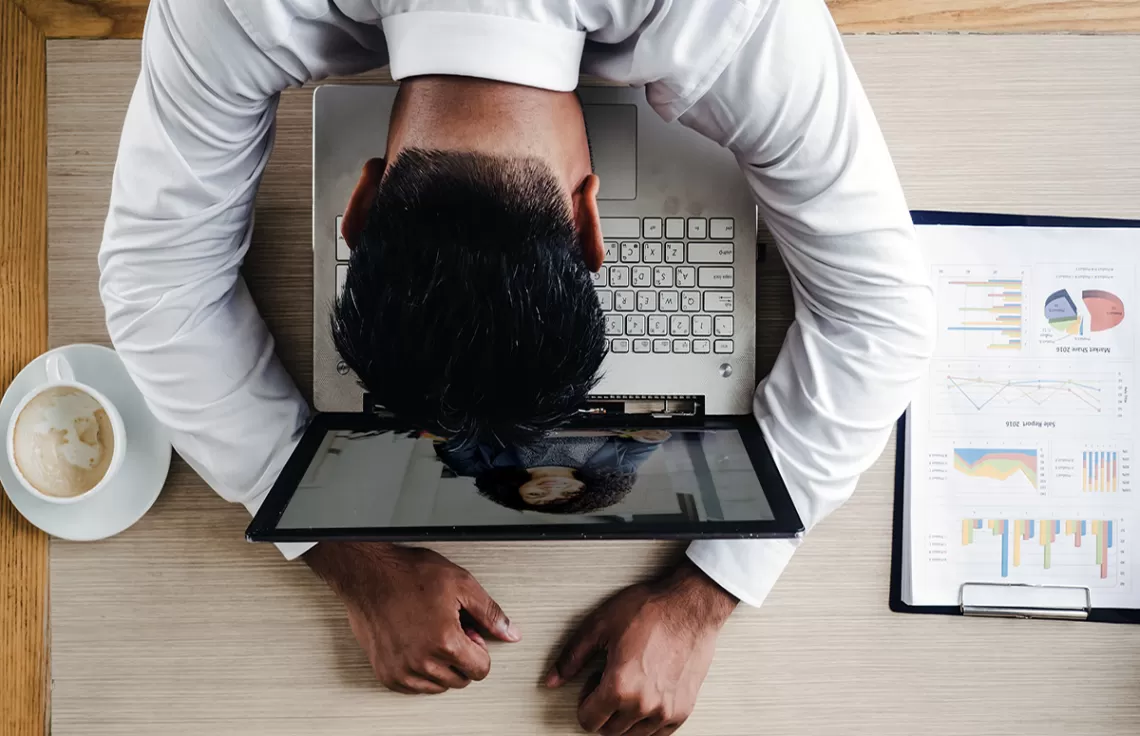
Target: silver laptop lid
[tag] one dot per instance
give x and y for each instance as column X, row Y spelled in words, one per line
column 678, row 285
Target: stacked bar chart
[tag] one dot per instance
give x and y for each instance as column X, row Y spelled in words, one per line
column 991, row 307
column 1016, row 533
column 1099, row 471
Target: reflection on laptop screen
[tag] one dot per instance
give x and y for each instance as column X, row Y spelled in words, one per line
column 412, row 479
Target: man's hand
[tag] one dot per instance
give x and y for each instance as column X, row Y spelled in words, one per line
column 658, row 639
column 404, row 605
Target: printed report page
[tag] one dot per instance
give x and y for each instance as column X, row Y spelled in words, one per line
column 1020, row 441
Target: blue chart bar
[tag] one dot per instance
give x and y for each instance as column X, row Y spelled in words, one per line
column 993, row 306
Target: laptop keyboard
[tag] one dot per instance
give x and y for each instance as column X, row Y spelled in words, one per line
column 665, row 284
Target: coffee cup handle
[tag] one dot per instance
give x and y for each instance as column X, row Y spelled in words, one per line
column 58, row 369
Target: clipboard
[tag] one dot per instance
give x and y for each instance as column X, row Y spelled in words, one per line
column 987, row 599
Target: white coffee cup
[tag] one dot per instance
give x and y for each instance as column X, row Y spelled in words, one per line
column 61, row 376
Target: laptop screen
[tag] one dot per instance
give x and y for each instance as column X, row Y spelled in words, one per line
column 390, row 479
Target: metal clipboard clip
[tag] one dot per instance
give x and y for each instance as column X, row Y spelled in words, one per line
column 1022, row 600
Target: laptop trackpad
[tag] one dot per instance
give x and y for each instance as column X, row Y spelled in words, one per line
column 612, row 130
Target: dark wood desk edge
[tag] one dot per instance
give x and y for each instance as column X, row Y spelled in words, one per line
column 24, row 675
column 124, row 18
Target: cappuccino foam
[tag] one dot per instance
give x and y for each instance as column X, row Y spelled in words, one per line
column 63, row 442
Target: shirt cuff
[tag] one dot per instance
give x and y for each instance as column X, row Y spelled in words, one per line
column 486, row 46
column 746, row 568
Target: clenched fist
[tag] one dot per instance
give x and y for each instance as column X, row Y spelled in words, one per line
column 406, row 606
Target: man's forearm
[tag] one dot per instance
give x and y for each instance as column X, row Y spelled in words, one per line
column 700, row 594
column 347, row 565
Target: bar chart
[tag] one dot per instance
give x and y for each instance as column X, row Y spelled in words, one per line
column 1066, row 551
column 1099, row 471
column 987, row 308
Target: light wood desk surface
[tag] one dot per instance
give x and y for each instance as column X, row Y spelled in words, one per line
column 178, row 627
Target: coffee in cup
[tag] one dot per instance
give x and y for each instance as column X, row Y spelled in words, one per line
column 65, row 439
column 63, row 442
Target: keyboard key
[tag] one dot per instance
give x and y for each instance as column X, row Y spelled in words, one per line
column 621, row 227
column 619, row 275
column 342, row 250
column 679, row 325
column 690, row 301
column 613, row 324
column 341, row 276
column 623, row 301
column 702, row 325
column 722, row 346
column 718, row 301
column 662, row 276
column 686, row 277
column 668, row 301
column 722, row 325
column 651, row 227
column 681, row 346
column 606, row 300
column 599, row 278
column 630, row 252
column 619, row 345
column 714, row 277
column 697, row 228
column 651, row 253
column 720, row 228
column 641, row 345
column 658, row 325
column 660, row 346
column 674, row 252
column 710, row 252
column 702, row 346
column 647, row 301
column 675, row 227
column 611, row 252
column 635, row 325
column 642, row 276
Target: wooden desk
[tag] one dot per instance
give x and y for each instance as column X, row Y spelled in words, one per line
column 1015, row 124
column 178, row 626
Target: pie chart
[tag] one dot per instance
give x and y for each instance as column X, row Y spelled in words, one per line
column 1105, row 309
column 1099, row 310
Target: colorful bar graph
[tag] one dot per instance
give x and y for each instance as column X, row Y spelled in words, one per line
column 1098, row 471
column 1001, row 316
column 1046, row 531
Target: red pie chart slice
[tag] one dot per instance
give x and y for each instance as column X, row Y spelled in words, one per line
column 1106, row 310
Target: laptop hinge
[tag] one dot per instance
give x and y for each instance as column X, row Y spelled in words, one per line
column 660, row 407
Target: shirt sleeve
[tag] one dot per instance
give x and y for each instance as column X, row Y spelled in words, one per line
column 196, row 138
column 791, row 109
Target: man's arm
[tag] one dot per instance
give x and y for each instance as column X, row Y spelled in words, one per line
column 792, row 110
column 196, row 138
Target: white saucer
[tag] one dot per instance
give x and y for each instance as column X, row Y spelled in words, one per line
column 139, row 480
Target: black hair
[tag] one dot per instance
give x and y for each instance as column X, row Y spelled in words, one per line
column 468, row 308
column 602, row 489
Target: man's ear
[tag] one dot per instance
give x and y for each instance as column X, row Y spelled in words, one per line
column 363, row 196
column 588, row 223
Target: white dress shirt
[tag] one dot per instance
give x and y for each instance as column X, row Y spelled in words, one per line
column 768, row 79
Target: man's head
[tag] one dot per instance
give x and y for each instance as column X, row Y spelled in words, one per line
column 555, row 490
column 468, row 307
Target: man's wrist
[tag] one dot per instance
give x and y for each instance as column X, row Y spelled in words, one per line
column 338, row 563
column 710, row 602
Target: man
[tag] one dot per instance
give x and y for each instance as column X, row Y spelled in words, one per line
column 586, row 472
column 488, row 135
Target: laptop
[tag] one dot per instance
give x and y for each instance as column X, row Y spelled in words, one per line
column 666, row 447
column 678, row 285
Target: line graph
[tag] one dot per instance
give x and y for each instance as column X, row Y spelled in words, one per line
column 1066, row 395
column 1027, row 390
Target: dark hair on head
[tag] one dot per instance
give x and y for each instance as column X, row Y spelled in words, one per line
column 468, row 309
column 603, row 488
